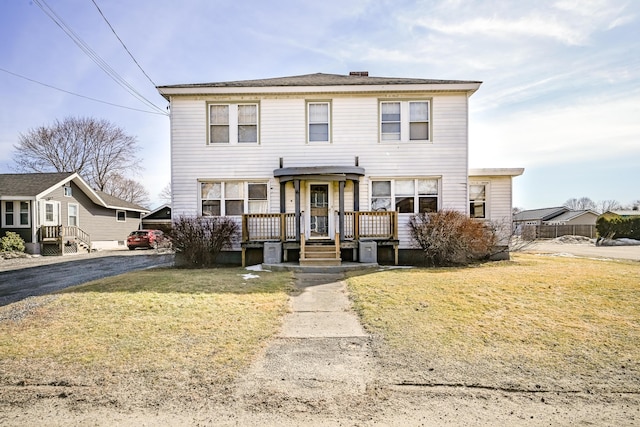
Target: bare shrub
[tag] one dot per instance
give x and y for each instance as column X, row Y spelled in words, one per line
column 199, row 240
column 450, row 238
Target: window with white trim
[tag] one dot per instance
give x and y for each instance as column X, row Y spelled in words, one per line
column 318, row 116
column 478, row 201
column 405, row 195
column 227, row 198
column 72, row 215
column 68, row 192
column 50, row 213
column 16, row 214
column 233, row 123
column 405, row 120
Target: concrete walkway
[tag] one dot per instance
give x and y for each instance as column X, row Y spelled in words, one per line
column 321, row 354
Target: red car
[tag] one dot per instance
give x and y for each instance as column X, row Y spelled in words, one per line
column 145, row 239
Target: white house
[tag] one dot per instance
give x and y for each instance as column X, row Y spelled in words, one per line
column 314, row 162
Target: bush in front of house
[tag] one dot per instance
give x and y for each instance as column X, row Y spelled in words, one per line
column 11, row 242
column 618, row 228
column 450, row 238
column 198, row 240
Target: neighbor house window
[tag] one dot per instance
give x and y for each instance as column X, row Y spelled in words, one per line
column 405, row 121
column 478, row 201
column 16, row 214
column 72, row 209
column 121, row 216
column 233, row 198
column 318, row 117
column 233, row 123
column 67, row 191
column 408, row 195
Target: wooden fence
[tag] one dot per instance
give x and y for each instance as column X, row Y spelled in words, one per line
column 532, row 232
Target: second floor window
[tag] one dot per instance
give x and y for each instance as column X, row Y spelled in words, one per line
column 233, row 123
column 405, row 121
column 318, row 121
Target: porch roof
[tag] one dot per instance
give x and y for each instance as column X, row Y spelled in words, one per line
column 329, row 173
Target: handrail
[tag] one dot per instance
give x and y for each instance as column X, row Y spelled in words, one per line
column 60, row 232
column 261, row 227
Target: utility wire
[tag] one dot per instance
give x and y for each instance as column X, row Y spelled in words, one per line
column 94, row 56
column 81, row 96
column 122, row 43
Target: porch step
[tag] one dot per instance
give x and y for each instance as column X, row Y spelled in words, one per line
column 320, row 255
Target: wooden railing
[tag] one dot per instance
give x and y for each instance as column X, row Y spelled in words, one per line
column 282, row 226
column 62, row 232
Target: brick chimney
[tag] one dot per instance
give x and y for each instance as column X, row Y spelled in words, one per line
column 359, row 73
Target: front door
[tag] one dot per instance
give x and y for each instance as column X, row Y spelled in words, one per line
column 319, row 211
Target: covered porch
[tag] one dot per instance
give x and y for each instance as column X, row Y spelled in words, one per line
column 314, row 218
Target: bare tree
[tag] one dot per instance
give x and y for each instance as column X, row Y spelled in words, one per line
column 127, row 189
column 165, row 194
column 581, row 204
column 608, row 205
column 95, row 149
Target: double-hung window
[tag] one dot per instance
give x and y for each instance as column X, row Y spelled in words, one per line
column 16, row 214
column 227, row 198
column 405, row 195
column 319, row 121
column 72, row 215
column 233, row 123
column 477, row 200
column 405, row 121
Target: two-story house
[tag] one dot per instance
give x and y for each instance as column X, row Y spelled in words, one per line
column 314, row 162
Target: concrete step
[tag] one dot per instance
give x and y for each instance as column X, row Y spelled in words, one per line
column 320, row 262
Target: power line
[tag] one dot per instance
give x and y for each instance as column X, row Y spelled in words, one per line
column 94, row 56
column 81, row 96
column 122, row 43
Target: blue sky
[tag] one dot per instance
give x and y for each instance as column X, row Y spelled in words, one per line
column 561, row 91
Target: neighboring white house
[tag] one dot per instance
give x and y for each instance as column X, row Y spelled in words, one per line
column 332, row 159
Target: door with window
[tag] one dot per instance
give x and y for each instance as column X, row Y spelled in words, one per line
column 51, row 213
column 319, row 211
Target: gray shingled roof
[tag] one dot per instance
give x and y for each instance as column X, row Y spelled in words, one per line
column 539, row 214
column 29, row 184
column 119, row 203
column 321, row 79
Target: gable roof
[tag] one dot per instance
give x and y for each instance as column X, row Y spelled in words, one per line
column 160, row 213
column 316, row 80
column 37, row 185
column 569, row 215
column 30, row 184
column 543, row 214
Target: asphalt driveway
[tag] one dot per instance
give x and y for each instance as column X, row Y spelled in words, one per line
column 45, row 275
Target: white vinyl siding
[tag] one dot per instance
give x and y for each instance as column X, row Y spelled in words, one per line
column 283, row 133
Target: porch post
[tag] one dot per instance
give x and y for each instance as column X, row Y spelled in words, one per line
column 296, row 187
column 341, row 209
column 283, row 197
column 356, row 195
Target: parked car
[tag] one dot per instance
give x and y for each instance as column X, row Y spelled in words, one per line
column 146, row 239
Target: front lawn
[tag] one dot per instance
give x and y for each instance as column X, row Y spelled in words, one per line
column 536, row 322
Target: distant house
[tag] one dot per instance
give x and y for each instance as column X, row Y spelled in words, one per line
column 555, row 222
column 538, row 216
column 57, row 213
column 158, row 219
column 585, row 217
column 626, row 213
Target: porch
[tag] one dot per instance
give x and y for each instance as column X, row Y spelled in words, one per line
column 63, row 240
column 354, row 228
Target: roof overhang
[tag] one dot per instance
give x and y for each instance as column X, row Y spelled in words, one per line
column 496, row 172
column 168, row 91
column 324, row 173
